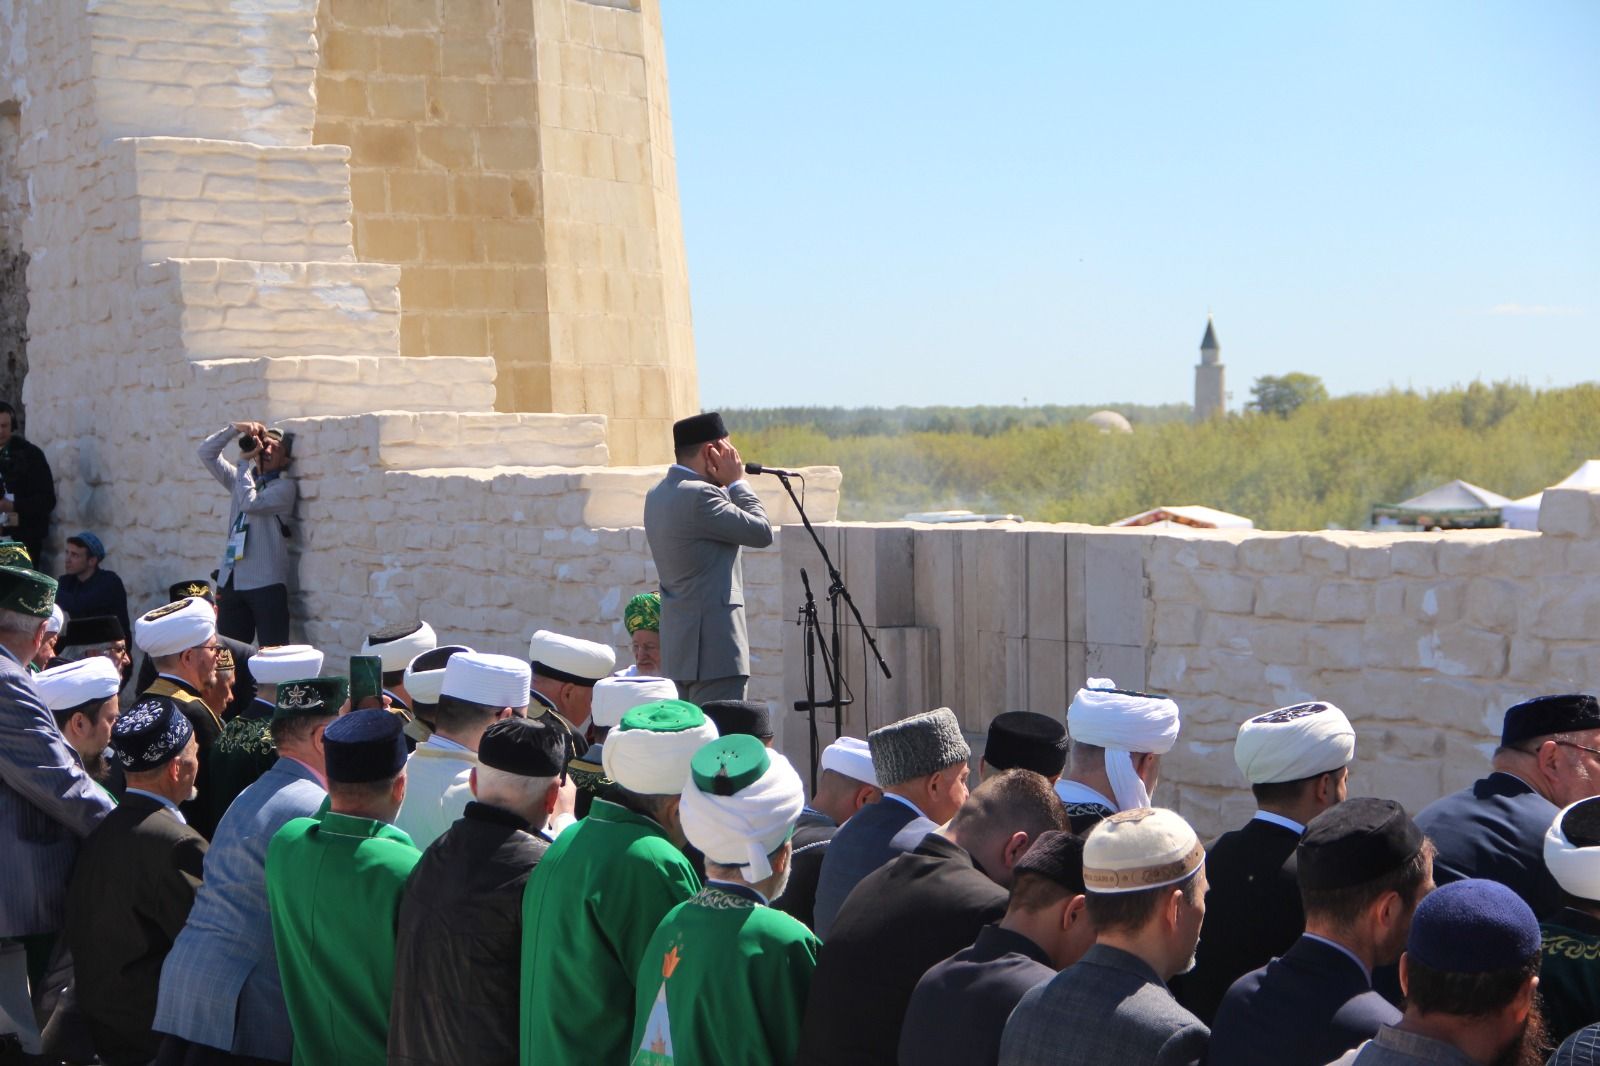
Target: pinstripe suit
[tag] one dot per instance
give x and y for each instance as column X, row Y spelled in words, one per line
column 220, row 984
column 1109, row 1007
column 47, row 802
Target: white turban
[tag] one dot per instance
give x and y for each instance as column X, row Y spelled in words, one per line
column 616, row 695
column 58, row 619
column 851, row 757
column 396, row 646
column 563, row 658
column 179, row 626
column 425, row 682
column 742, row 829
column 1121, row 723
column 285, row 662
column 649, row 752
column 1576, row 864
column 73, row 685
column 492, row 680
column 1294, row 743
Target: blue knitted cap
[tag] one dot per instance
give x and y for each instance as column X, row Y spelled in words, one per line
column 1473, row 926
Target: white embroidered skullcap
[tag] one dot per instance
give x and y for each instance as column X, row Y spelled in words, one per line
column 1123, row 722
column 851, row 757
column 425, row 674
column 1572, row 849
column 179, row 626
column 740, row 804
column 1293, row 743
column 58, row 619
column 616, row 695
column 1148, row 847
column 649, row 750
column 276, row 664
column 492, row 680
column 563, row 658
column 397, row 645
column 86, row 681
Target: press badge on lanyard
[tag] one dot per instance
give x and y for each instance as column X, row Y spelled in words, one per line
column 236, row 540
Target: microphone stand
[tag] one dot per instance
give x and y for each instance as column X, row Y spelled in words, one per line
column 831, row 648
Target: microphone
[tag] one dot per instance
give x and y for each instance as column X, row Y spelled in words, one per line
column 757, row 468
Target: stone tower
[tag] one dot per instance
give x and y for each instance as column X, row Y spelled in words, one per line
column 1210, row 397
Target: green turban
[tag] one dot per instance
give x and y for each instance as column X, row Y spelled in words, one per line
column 642, row 612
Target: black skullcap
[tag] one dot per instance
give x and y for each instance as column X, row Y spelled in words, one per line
column 1024, row 740
column 698, row 429
column 150, row 735
column 1580, row 823
column 364, row 746
column 394, row 632
column 435, row 658
column 1057, row 856
column 198, row 586
column 1354, row 842
column 740, row 716
column 1473, row 926
column 1544, row 716
column 96, row 629
column 527, row 747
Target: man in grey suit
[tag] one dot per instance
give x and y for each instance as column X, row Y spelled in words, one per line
column 48, row 803
column 697, row 520
column 221, row 1000
column 253, row 580
column 1145, row 879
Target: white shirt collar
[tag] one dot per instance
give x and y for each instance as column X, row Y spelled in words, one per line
column 445, row 744
column 908, row 803
column 1278, row 819
column 1341, row 948
column 168, row 804
column 1070, row 791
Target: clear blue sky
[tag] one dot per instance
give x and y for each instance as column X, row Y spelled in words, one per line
column 953, row 203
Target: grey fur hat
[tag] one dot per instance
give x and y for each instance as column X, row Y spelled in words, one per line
column 917, row 746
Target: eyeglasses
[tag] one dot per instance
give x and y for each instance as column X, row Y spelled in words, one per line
column 1580, row 747
column 212, row 648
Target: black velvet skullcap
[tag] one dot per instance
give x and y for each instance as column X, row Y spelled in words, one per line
column 698, row 429
column 96, row 629
column 527, row 747
column 1024, row 740
column 1357, row 841
column 1057, row 856
column 364, row 746
column 1545, row 716
column 740, row 716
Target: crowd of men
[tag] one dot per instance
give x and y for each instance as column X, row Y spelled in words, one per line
column 546, row 859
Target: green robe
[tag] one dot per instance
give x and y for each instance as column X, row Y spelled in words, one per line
column 590, row 908
column 1569, row 972
column 333, row 886
column 241, row 754
column 724, row 981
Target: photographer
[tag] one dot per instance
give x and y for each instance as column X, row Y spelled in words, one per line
column 252, row 582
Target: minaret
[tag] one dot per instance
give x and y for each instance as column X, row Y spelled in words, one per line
column 1210, row 399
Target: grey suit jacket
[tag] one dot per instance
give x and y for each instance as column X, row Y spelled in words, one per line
column 1108, row 1008
column 47, row 804
column 695, row 531
column 264, row 504
column 219, row 985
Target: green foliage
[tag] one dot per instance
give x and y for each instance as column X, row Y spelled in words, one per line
column 1284, row 394
column 1324, row 465
column 978, row 421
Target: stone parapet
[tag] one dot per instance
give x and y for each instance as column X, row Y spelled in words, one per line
column 295, row 386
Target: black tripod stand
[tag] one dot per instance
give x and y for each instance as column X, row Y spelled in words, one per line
column 830, row 648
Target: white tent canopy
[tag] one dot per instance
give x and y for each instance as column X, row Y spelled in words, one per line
column 1191, row 515
column 1524, row 513
column 1456, row 495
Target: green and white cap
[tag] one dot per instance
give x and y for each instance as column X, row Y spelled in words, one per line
column 740, row 804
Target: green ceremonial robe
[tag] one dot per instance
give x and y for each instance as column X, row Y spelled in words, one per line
column 590, row 908
column 724, row 981
column 1569, row 972
column 333, row 886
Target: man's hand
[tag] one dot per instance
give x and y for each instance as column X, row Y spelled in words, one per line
column 6, row 506
column 252, row 429
column 725, row 467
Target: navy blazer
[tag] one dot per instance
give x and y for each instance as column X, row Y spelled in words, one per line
column 873, row 835
column 1304, row 1009
column 47, row 804
column 960, row 1006
column 812, row 835
column 1253, row 912
column 1495, row 830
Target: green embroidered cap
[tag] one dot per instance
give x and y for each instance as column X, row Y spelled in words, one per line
column 319, row 696
column 729, row 765
column 663, row 716
column 15, row 553
column 27, row 591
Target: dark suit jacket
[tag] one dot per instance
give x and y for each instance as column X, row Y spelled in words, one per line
column 812, row 835
column 1495, row 830
column 696, row 531
column 899, row 921
column 873, row 835
column 960, row 1007
column 129, row 896
column 1110, row 1009
column 1304, row 1009
column 25, row 473
column 1253, row 912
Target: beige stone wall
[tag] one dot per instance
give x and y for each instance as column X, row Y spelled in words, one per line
column 515, row 159
column 1423, row 639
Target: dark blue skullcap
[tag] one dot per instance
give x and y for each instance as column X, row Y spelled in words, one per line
column 1545, row 716
column 1055, row 855
column 364, row 746
column 1473, row 926
column 150, row 734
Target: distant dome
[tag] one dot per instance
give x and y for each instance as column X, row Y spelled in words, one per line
column 1109, row 422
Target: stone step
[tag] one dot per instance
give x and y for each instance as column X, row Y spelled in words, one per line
column 340, row 446
column 297, row 386
column 232, row 308
column 194, row 198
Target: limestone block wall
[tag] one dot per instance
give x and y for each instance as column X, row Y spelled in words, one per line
column 1422, row 638
column 516, row 160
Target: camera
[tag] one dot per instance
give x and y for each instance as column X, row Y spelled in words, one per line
column 248, row 443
